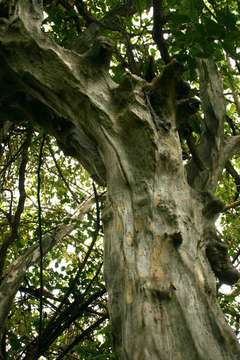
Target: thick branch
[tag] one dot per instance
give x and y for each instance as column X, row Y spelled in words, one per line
column 23, row 108
column 76, row 87
column 236, row 177
column 43, row 102
column 158, row 22
column 232, row 147
column 211, row 142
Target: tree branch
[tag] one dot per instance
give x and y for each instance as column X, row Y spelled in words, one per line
column 15, row 275
column 40, row 236
column 83, row 11
column 233, row 205
column 212, row 139
column 9, row 240
column 25, row 108
column 77, row 88
column 232, row 147
column 66, row 318
column 82, row 336
column 84, row 262
column 236, row 177
column 61, row 174
column 158, row 22
column 66, row 5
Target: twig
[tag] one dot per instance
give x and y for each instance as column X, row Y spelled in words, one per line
column 66, row 318
column 83, row 11
column 40, row 160
column 93, row 279
column 232, row 205
column 35, row 293
column 209, row 10
column 236, row 256
column 61, row 174
column 12, row 159
column 94, row 239
column 66, row 5
column 21, row 201
column 82, row 336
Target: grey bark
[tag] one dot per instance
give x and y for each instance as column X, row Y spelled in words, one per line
column 161, row 287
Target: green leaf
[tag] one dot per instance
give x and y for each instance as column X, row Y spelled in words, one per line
column 227, row 18
column 14, row 342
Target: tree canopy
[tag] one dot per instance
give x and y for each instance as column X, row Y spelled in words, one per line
column 52, row 198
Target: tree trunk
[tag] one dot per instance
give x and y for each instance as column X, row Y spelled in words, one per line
column 161, row 288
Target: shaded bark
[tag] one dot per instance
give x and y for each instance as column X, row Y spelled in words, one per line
column 160, row 284
column 210, row 148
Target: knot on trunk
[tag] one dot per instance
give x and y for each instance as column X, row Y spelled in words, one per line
column 177, row 239
column 160, row 291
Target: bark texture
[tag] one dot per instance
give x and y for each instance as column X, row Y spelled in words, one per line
column 158, row 220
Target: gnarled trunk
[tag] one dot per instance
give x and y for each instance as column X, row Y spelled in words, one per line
column 161, row 288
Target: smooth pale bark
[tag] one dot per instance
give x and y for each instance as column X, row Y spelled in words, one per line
column 161, row 288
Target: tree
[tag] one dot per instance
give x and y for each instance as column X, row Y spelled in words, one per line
column 89, row 84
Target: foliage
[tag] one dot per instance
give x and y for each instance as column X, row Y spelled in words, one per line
column 63, row 187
